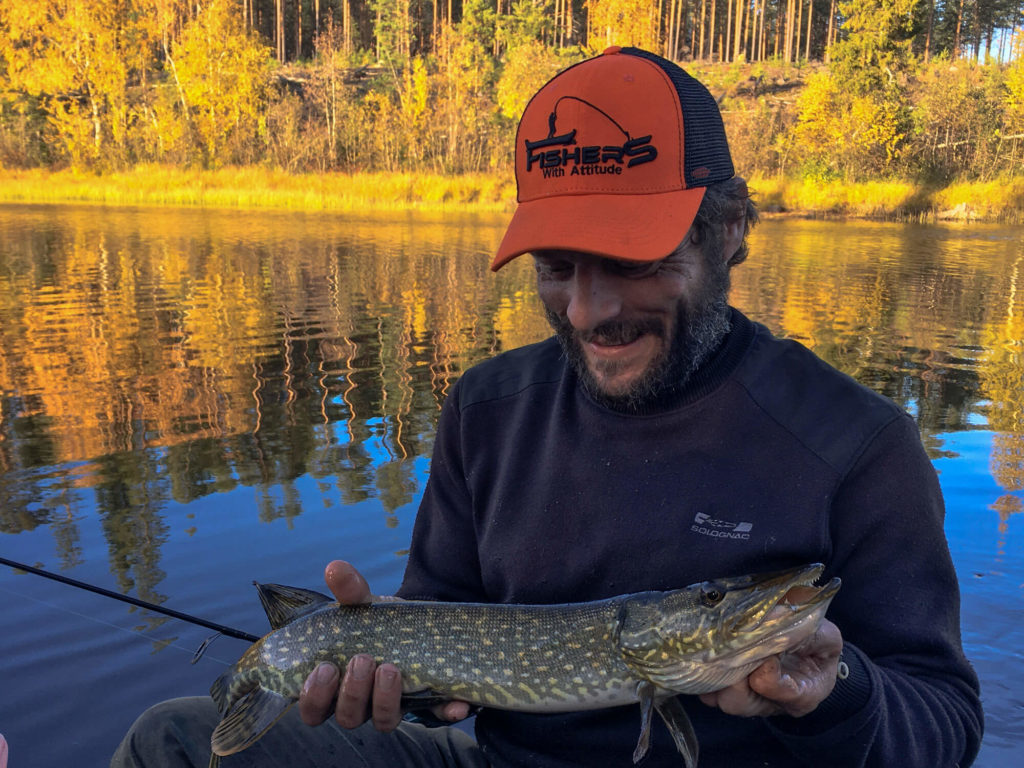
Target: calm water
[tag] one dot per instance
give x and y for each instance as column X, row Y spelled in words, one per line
column 193, row 400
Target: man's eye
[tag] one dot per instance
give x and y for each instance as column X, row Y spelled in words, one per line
column 554, row 267
column 634, row 268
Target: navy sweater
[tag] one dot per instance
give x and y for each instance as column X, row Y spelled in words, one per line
column 769, row 459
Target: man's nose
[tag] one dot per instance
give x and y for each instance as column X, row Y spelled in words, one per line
column 594, row 297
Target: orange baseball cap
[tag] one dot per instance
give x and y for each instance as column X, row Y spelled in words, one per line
column 612, row 158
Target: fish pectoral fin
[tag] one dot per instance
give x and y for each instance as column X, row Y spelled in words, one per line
column 219, row 691
column 249, row 718
column 285, row 604
column 679, row 725
column 645, row 692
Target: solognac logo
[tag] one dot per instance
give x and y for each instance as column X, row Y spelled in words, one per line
column 553, row 154
column 720, row 529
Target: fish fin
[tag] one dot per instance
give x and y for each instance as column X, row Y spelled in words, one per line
column 645, row 692
column 250, row 717
column 219, row 691
column 679, row 725
column 214, row 761
column 285, row 604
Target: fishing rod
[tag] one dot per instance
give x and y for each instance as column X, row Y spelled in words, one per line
column 229, row 631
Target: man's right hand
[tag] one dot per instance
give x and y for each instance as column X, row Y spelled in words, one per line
column 366, row 692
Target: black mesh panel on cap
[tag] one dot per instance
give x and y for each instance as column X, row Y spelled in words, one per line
column 706, row 149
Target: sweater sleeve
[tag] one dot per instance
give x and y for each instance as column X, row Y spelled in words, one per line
column 911, row 698
column 443, row 559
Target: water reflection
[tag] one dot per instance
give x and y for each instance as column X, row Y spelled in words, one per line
column 153, row 355
column 183, row 388
column 272, row 346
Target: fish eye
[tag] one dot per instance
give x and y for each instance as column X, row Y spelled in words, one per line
column 711, row 595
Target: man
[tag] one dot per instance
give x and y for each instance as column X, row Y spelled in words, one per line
column 660, row 439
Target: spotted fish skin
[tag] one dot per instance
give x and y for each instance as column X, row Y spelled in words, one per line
column 644, row 647
column 530, row 658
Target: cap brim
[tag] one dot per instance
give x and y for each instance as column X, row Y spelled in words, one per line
column 630, row 227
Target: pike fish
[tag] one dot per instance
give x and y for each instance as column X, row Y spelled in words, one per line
column 644, row 648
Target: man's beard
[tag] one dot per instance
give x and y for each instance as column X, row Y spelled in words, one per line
column 698, row 331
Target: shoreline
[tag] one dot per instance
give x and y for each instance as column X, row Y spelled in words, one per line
column 256, row 188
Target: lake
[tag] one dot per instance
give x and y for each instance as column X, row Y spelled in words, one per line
column 190, row 400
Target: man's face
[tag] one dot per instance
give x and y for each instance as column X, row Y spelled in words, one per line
column 635, row 330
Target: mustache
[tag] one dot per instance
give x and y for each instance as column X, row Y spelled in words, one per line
column 608, row 332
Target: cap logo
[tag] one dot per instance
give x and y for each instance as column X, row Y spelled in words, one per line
column 559, row 153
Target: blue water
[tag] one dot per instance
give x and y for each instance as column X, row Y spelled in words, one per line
column 988, row 551
column 189, row 402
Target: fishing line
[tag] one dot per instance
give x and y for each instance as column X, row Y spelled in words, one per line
column 133, row 632
column 229, row 631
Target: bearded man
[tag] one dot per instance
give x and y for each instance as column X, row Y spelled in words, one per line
column 659, row 439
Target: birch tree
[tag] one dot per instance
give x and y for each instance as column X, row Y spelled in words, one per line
column 77, row 57
column 224, row 76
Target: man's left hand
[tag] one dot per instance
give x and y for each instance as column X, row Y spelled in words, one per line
column 792, row 683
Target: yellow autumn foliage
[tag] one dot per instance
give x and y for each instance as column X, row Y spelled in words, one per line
column 223, row 75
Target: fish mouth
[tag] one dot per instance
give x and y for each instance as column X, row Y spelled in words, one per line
column 777, row 611
column 796, row 590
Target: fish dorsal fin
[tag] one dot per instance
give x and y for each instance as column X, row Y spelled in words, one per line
column 285, row 604
column 679, row 725
column 249, row 718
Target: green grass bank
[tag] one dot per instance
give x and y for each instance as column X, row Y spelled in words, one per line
column 260, row 188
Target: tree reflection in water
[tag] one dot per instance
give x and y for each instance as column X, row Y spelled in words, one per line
column 172, row 381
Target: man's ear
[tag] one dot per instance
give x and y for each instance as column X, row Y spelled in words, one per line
column 732, row 237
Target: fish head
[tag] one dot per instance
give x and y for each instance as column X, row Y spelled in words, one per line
column 706, row 636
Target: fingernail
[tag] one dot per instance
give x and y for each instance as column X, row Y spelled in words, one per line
column 359, row 667
column 322, row 674
column 325, row 673
column 456, row 710
column 387, row 678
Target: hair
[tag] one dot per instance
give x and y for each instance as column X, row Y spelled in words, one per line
column 723, row 203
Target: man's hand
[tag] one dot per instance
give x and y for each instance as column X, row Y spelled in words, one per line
column 366, row 692
column 792, row 683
